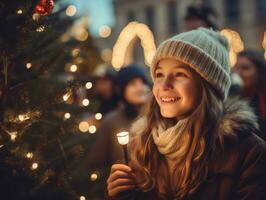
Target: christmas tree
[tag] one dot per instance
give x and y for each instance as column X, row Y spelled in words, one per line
column 46, row 59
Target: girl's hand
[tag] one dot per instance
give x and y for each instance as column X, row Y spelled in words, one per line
column 121, row 179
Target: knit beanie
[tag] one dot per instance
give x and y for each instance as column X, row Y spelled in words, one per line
column 204, row 50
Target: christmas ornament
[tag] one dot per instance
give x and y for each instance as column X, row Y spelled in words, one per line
column 44, row 7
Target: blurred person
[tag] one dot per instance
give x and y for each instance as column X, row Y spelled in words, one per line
column 105, row 91
column 134, row 87
column 200, row 16
column 251, row 68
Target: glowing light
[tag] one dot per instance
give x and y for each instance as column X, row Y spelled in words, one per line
column 66, row 96
column 88, row 85
column 19, row 12
column 28, row 65
column 23, row 117
column 71, row 10
column 13, row 135
column 40, row 29
column 84, row 126
column 123, row 137
column 75, row 52
column 98, row 116
column 82, row 198
column 34, row 166
column 29, row 155
column 36, row 16
column 264, row 44
column 85, row 102
column 92, row 129
column 73, row 68
column 94, row 177
column 128, row 34
column 235, row 43
column 105, row 31
column 106, row 55
column 82, row 34
column 67, row 115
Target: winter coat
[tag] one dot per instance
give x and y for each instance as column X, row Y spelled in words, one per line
column 239, row 171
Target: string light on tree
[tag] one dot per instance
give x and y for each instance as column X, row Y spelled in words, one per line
column 88, row 85
column 23, row 117
column 71, row 10
column 66, row 96
column 28, row 65
column 98, row 116
column 34, row 166
column 92, row 129
column 29, row 155
column 13, row 135
column 67, row 115
column 85, row 102
column 82, row 198
column 84, row 126
column 104, row 31
column 73, row 68
column 19, row 12
column 93, row 177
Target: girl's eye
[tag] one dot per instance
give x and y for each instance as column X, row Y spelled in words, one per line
column 158, row 75
column 180, row 74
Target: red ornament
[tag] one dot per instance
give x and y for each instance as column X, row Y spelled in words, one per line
column 44, row 7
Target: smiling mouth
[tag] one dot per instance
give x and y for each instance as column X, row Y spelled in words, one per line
column 169, row 99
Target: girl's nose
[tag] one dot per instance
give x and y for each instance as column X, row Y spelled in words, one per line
column 167, row 83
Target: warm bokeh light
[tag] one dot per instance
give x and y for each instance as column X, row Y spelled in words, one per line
column 67, row 115
column 129, row 33
column 13, row 135
column 71, row 10
column 36, row 16
column 29, row 155
column 28, row 65
column 82, row 198
column 98, row 116
column 73, row 68
column 106, row 55
column 94, row 177
column 19, row 12
column 40, row 29
column 75, row 52
column 92, row 129
column 105, row 31
column 85, row 102
column 82, row 34
column 34, row 166
column 88, row 85
column 66, row 96
column 84, row 126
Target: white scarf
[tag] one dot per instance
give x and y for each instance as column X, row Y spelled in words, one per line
column 167, row 140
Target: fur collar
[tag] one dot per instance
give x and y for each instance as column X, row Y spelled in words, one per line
column 238, row 119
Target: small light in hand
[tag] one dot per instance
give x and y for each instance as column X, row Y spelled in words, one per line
column 123, row 139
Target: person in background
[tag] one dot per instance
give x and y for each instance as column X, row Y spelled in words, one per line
column 251, row 68
column 200, row 16
column 134, row 87
column 105, row 91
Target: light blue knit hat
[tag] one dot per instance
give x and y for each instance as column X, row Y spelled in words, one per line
column 204, row 50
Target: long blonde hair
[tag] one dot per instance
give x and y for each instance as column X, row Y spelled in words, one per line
column 197, row 143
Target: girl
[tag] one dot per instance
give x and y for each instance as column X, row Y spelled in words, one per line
column 192, row 142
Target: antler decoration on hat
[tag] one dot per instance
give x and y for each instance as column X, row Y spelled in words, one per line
column 127, row 35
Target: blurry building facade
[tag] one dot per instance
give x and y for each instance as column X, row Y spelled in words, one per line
column 166, row 18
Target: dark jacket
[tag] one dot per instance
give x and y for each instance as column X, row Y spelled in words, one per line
column 239, row 171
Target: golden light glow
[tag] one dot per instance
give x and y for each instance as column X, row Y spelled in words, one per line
column 85, row 102
column 13, row 135
column 71, row 10
column 75, row 52
column 84, row 126
column 88, row 85
column 73, row 68
column 67, row 115
column 66, row 96
column 19, row 12
column 264, row 44
column 82, row 34
column 29, row 155
column 23, row 117
column 94, row 177
column 82, row 198
column 92, row 129
column 40, row 29
column 125, row 38
column 104, row 31
column 34, row 166
column 106, row 55
column 36, row 16
column 98, row 116
column 235, row 43
column 28, row 65
column 123, row 137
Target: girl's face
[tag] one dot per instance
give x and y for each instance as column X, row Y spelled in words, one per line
column 247, row 71
column 176, row 88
